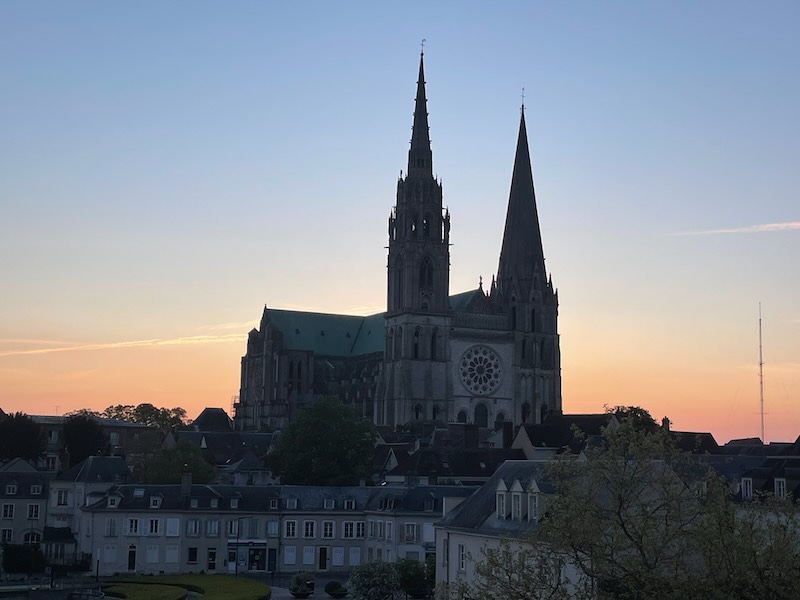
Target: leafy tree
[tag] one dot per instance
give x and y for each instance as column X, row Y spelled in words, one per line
column 413, row 577
column 328, row 443
column 165, row 419
column 83, row 437
column 376, row 580
column 20, row 437
column 168, row 465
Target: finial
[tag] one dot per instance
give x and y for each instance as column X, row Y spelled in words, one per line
column 522, row 108
column 422, row 47
column 480, row 282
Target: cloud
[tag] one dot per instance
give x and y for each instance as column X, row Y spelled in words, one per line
column 180, row 341
column 770, row 227
column 237, row 325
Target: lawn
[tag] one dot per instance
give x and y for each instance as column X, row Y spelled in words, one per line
column 173, row 587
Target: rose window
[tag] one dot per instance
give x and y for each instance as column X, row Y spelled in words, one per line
column 480, row 370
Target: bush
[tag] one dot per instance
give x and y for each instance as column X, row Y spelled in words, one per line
column 335, row 589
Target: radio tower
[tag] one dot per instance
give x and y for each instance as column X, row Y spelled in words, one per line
column 761, row 374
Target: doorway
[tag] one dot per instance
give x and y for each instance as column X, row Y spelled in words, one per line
column 132, row 557
column 323, row 558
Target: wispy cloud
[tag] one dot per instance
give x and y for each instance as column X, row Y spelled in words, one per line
column 237, row 325
column 767, row 228
column 179, row 341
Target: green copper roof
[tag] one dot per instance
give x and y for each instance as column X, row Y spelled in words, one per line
column 327, row 334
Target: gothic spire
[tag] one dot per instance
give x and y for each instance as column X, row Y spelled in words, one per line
column 420, row 158
column 521, row 256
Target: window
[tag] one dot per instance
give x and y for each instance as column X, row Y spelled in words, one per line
column 113, row 438
column 173, row 527
column 350, row 504
column 389, row 529
column 8, row 511
column 132, row 527
column 516, row 506
column 501, row 505
column 193, row 503
column 371, row 528
column 154, row 526
column 234, row 503
column 52, row 436
column 252, row 527
column 445, row 551
column 192, row 555
column 33, row 511
column 212, row 559
column 61, row 497
column 193, row 527
column 214, row 502
column 329, row 503
column 138, row 493
column 533, row 507
column 309, row 528
column 360, row 526
column 291, row 503
column 272, row 528
column 379, row 529
column 429, row 503
column 32, row 537
column 112, row 501
column 410, row 533
column 462, row 558
column 233, row 527
column 151, row 554
column 273, row 503
column 50, row 463
column 327, row 529
column 11, row 489
column 111, row 528
column 747, row 488
column 780, row 488
column 348, row 530
column 290, row 529
column 36, row 490
column 6, row 535
column 212, row 527
column 155, row 501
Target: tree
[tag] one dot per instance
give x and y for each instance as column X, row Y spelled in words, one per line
column 20, row 436
column 165, row 419
column 328, row 444
column 376, row 580
column 23, row 558
column 83, row 437
column 168, row 465
column 412, row 577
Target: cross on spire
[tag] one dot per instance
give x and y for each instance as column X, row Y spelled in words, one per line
column 422, row 46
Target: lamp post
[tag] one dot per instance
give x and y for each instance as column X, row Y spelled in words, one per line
column 238, row 531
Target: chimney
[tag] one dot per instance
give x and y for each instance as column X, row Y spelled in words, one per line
column 186, row 482
column 665, row 423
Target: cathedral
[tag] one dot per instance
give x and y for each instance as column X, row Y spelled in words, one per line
column 479, row 356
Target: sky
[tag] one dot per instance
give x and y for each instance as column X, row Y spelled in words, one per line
column 167, row 168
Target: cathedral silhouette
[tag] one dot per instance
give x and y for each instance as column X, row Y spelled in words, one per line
column 482, row 356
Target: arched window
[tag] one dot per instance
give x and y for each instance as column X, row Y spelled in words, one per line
column 435, row 412
column 498, row 421
column 426, row 226
column 398, row 344
column 416, row 343
column 418, row 411
column 462, row 416
column 481, row 415
column 426, row 274
column 526, row 412
column 524, row 348
column 434, row 343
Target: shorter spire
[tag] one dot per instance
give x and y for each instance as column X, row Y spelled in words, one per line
column 420, row 157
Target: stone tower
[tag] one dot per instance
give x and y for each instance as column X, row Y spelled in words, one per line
column 417, row 318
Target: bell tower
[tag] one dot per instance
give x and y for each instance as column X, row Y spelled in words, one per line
column 417, row 303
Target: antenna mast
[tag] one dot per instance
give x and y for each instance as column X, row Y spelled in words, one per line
column 761, row 373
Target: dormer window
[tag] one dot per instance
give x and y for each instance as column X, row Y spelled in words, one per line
column 214, row 502
column 11, row 489
column 193, row 503
column 516, row 506
column 780, row 488
column 501, row 505
column 234, row 503
column 138, row 493
column 747, row 488
column 429, row 503
column 291, row 503
column 113, row 501
column 533, row 506
column 350, row 504
column 155, row 501
column 329, row 503
column 36, row 490
column 273, row 504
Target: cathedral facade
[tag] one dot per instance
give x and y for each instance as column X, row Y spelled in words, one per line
column 480, row 356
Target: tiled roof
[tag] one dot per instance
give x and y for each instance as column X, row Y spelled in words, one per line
column 98, row 469
column 328, row 334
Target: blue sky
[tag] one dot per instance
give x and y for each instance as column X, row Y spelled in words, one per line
column 168, row 168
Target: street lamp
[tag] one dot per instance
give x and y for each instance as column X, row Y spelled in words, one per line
column 238, row 531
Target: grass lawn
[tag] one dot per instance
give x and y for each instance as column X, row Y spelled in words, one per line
column 173, row 587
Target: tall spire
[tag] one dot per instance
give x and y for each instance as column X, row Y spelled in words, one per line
column 420, row 157
column 521, row 256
